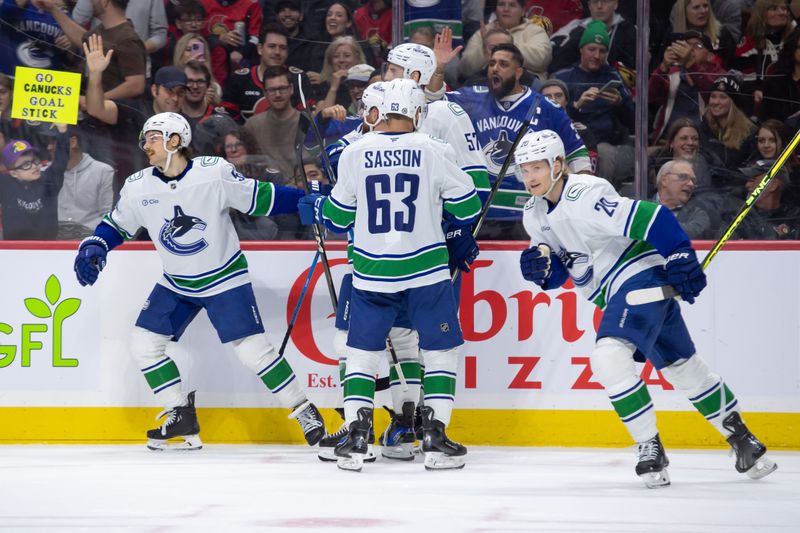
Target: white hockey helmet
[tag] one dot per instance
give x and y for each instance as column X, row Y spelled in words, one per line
column 404, row 97
column 373, row 97
column 414, row 58
column 169, row 124
column 544, row 145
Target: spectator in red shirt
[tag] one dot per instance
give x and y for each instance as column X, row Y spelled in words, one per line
column 229, row 49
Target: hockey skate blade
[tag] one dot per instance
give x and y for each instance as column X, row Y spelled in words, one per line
column 764, row 466
column 401, row 452
column 354, row 463
column 440, row 461
column 189, row 442
column 326, row 455
column 655, row 480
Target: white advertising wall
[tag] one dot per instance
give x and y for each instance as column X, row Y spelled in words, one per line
column 66, row 345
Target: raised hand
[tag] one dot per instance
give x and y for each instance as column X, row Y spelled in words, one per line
column 443, row 48
column 96, row 61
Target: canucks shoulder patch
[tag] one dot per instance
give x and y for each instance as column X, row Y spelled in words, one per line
column 575, row 190
column 530, row 203
column 133, row 177
column 455, row 108
column 295, row 70
column 208, row 161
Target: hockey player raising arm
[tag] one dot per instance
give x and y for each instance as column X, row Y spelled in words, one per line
column 608, row 245
column 392, row 189
column 183, row 203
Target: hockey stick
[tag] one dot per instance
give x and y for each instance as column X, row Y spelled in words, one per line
column 326, row 161
column 503, row 170
column 655, row 294
column 297, row 305
column 318, row 236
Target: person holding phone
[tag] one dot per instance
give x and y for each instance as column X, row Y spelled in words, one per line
column 602, row 102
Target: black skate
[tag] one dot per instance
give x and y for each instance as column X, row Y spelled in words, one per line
column 441, row 453
column 653, row 463
column 310, row 420
column 750, row 452
column 352, row 450
column 181, row 423
column 397, row 442
column 331, row 440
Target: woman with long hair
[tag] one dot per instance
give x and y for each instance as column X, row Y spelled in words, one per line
column 684, row 140
column 782, row 85
column 769, row 25
column 192, row 46
column 338, row 22
column 343, row 53
column 726, row 123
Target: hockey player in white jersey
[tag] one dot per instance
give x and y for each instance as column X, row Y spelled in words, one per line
column 609, row 245
column 392, row 189
column 183, row 203
column 444, row 120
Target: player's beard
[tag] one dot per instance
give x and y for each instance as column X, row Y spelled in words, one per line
column 504, row 88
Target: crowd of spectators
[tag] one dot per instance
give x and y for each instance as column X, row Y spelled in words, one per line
column 723, row 94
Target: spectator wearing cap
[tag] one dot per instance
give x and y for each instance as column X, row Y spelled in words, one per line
column 675, row 186
column 28, row 194
column 772, row 218
column 557, row 92
column 356, row 81
column 531, row 39
column 289, row 15
column 128, row 116
column 681, row 84
column 87, row 192
column 725, row 124
column 244, row 91
column 621, row 41
column 608, row 114
column 124, row 76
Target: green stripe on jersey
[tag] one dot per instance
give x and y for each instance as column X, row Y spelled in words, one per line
column 641, row 247
column 480, row 179
column 642, row 218
column 711, row 405
column 265, row 199
column 411, row 370
column 278, row 374
column 400, row 268
column 465, row 208
column 199, row 283
column 360, row 387
column 580, row 152
column 439, row 385
column 340, row 217
column 510, row 199
column 124, row 234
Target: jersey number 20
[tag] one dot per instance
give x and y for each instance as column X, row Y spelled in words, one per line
column 383, row 213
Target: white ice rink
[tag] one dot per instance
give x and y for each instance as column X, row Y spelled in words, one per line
column 225, row 488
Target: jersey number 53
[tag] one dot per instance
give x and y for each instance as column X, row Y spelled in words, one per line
column 384, row 211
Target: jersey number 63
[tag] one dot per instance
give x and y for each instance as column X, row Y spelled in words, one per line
column 384, row 212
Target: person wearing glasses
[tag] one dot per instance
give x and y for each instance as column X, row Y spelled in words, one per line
column 28, row 194
column 201, row 98
column 676, row 184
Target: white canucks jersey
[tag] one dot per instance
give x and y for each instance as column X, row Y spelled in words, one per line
column 392, row 188
column 598, row 234
column 189, row 223
column 449, row 122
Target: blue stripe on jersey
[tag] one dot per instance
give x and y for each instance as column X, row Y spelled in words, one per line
column 610, row 271
column 629, row 220
column 254, row 197
column 284, row 200
column 399, row 256
column 406, row 278
column 461, row 198
column 233, row 258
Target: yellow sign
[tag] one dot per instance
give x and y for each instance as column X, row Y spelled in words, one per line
column 46, row 95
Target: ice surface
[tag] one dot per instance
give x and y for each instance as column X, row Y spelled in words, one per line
column 227, row 488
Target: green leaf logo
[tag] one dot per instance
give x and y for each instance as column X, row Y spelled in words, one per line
column 37, row 308
column 52, row 289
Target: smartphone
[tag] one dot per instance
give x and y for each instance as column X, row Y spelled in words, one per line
column 612, row 84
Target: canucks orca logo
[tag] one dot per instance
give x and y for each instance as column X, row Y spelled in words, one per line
column 180, row 225
column 495, row 152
